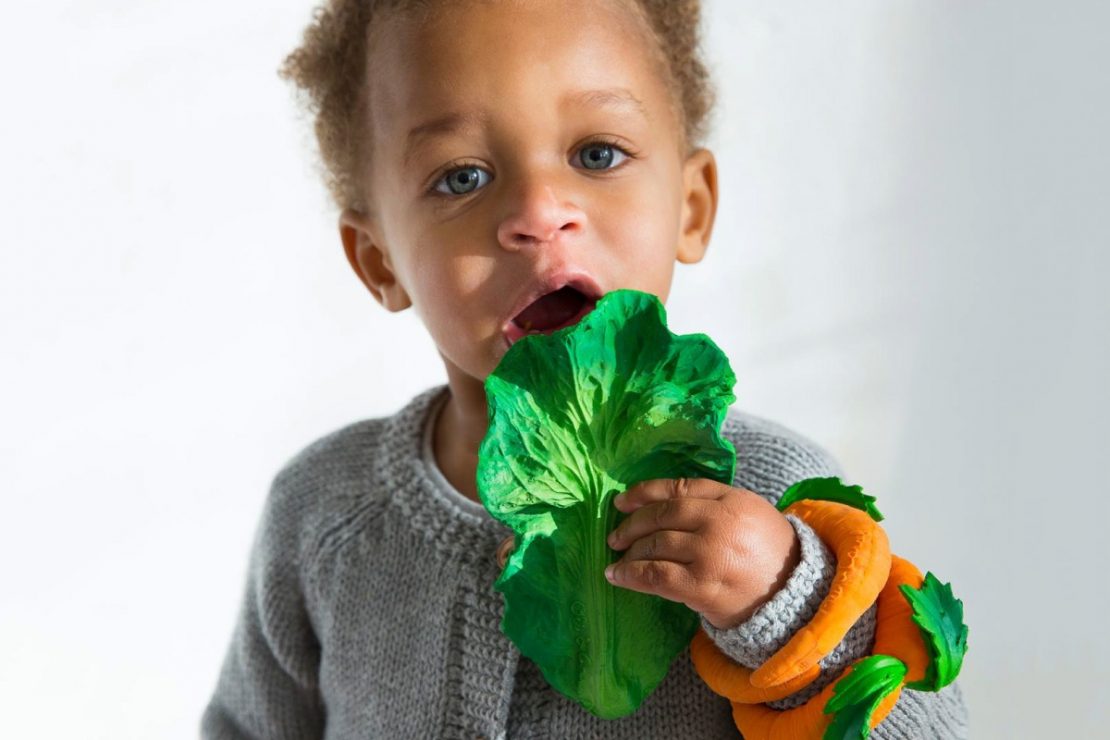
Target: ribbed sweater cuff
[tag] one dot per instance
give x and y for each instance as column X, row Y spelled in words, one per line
column 752, row 642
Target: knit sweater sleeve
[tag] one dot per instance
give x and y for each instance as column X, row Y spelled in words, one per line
column 777, row 459
column 267, row 686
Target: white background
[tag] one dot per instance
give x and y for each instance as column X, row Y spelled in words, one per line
column 909, row 266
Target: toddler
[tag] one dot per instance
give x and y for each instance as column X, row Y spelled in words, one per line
column 499, row 165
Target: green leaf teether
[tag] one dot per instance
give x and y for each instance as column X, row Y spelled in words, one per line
column 576, row 417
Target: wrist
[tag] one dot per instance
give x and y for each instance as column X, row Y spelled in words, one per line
column 783, row 555
column 753, row 641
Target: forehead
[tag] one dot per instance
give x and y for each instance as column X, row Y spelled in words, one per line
column 508, row 59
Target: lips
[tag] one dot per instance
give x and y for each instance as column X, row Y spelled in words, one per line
column 551, row 303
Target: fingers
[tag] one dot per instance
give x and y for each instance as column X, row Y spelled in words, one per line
column 663, row 503
column 677, row 547
column 504, row 550
column 686, row 515
column 672, row 581
column 661, row 489
column 666, row 533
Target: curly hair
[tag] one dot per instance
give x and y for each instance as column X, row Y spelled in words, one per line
column 329, row 71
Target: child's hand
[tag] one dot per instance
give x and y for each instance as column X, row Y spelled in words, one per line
column 720, row 550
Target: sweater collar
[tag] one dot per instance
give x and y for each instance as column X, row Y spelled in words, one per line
column 427, row 500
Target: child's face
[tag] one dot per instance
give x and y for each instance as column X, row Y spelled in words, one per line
column 528, row 198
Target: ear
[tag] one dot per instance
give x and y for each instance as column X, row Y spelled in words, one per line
column 370, row 260
column 699, row 205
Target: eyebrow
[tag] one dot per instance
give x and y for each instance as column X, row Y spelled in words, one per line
column 612, row 97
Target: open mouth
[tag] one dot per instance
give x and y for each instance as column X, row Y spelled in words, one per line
column 549, row 313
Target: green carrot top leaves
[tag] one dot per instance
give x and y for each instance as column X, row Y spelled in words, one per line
column 940, row 616
column 830, row 489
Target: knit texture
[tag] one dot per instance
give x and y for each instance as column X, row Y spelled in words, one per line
column 369, row 609
column 773, row 624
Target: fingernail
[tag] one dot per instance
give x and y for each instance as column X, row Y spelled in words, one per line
column 609, row 572
column 619, row 498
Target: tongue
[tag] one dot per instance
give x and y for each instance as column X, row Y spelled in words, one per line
column 552, row 310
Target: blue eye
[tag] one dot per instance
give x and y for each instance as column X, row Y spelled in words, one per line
column 465, row 177
column 599, row 155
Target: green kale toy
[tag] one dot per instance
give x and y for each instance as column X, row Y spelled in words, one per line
column 576, row 417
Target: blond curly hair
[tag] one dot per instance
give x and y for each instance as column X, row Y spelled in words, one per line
column 329, row 71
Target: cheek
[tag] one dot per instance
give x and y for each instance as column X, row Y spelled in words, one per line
column 452, row 291
column 642, row 233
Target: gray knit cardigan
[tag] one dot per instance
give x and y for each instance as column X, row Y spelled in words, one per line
column 369, row 609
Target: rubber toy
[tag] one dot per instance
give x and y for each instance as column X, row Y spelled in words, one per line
column 576, row 417
column 920, row 637
column 579, row 415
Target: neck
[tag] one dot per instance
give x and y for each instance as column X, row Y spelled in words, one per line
column 460, row 428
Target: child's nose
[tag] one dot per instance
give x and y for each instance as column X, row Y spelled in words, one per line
column 539, row 217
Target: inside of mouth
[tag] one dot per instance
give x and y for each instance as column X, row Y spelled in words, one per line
column 551, row 311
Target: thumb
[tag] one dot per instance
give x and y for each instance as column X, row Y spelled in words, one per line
column 504, row 550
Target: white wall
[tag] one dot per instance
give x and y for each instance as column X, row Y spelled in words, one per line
column 919, row 234
column 908, row 266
